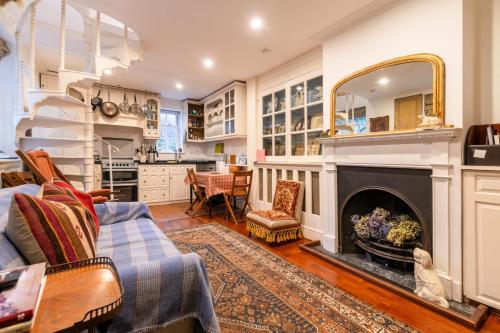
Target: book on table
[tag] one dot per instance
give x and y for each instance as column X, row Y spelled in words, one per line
column 20, row 292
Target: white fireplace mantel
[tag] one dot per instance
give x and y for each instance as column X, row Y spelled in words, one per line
column 437, row 150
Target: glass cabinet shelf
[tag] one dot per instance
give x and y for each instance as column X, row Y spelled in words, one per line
column 315, row 116
column 279, row 123
column 280, row 145
column 267, row 104
column 267, row 125
column 297, row 95
column 267, row 145
column 297, row 123
column 280, row 101
column 315, row 89
column 313, row 143
column 298, row 144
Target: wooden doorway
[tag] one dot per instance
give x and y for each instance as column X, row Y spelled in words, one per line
column 406, row 112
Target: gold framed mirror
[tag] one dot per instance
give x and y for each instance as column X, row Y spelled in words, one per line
column 398, row 95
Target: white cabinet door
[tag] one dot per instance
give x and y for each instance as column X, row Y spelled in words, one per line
column 144, row 181
column 164, row 195
column 174, row 187
column 481, row 195
column 143, row 195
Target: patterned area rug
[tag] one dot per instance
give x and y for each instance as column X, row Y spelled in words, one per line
column 257, row 291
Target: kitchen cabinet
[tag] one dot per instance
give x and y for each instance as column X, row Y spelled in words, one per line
column 481, row 221
column 152, row 125
column 225, row 113
column 163, row 183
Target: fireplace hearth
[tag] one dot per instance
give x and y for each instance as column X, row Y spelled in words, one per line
column 397, row 193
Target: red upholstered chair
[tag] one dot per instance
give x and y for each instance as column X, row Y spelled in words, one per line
column 45, row 171
column 283, row 221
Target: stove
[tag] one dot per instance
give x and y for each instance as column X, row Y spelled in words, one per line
column 120, row 164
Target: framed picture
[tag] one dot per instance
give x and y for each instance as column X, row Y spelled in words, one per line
column 379, row 124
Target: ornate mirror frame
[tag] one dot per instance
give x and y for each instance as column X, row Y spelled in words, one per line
column 438, row 75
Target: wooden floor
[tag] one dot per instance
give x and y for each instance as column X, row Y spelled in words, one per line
column 172, row 218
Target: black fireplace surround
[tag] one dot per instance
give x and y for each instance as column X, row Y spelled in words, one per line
column 400, row 190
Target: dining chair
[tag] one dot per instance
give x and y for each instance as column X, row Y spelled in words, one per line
column 200, row 197
column 241, row 187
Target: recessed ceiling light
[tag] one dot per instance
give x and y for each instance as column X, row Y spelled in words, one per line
column 383, row 81
column 208, row 63
column 179, row 85
column 256, row 23
column 107, row 72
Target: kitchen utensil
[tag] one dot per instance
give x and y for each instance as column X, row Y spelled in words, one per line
column 96, row 101
column 109, row 109
column 145, row 107
column 124, row 106
column 135, row 107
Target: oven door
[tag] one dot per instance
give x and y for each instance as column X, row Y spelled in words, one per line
column 120, row 175
column 123, row 191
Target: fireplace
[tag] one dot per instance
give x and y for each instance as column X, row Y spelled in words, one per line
column 397, row 193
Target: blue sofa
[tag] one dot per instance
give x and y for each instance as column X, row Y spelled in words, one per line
column 165, row 290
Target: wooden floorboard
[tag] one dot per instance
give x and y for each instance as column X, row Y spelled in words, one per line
column 172, row 217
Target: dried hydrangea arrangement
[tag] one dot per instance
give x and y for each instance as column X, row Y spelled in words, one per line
column 404, row 231
column 382, row 225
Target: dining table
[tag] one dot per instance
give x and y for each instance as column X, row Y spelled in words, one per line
column 213, row 183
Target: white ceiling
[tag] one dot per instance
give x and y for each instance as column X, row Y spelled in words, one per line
column 178, row 34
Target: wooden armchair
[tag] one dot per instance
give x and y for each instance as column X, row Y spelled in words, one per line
column 45, row 171
column 283, row 221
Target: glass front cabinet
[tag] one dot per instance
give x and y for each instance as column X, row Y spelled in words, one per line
column 225, row 113
column 292, row 118
column 152, row 119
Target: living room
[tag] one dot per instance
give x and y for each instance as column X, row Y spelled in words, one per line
column 277, row 166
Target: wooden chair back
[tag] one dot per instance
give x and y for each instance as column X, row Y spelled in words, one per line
column 194, row 183
column 41, row 165
column 242, row 183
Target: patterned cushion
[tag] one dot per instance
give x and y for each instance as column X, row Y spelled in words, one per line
column 84, row 198
column 273, row 215
column 51, row 231
column 9, row 255
column 271, row 224
column 287, row 197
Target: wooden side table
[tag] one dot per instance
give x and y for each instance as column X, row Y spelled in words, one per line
column 78, row 296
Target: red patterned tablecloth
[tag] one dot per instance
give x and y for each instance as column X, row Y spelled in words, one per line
column 213, row 182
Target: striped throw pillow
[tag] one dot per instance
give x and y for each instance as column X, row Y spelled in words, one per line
column 51, row 231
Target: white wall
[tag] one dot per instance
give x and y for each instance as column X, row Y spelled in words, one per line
column 417, row 26
column 7, row 103
column 482, row 68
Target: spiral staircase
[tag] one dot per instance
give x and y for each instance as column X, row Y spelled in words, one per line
column 53, row 119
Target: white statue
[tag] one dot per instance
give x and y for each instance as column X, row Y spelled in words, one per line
column 430, row 122
column 428, row 284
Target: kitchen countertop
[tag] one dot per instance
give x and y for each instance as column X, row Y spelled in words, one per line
column 180, row 162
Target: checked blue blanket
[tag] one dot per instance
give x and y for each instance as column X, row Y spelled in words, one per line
column 162, row 286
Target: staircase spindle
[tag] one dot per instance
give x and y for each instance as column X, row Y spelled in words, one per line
column 62, row 55
column 98, row 34
column 125, row 43
column 33, row 45
column 19, row 75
